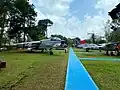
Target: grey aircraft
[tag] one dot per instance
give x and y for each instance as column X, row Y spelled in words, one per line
column 45, row 44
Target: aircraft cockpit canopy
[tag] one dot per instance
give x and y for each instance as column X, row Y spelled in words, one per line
column 55, row 39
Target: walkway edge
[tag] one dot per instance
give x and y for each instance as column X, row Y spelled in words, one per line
column 77, row 77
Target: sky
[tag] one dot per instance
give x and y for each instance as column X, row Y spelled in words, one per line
column 75, row 18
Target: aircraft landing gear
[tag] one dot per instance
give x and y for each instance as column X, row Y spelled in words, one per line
column 100, row 50
column 66, row 50
column 87, row 49
column 42, row 50
column 107, row 53
column 50, row 51
column 117, row 52
column 111, row 53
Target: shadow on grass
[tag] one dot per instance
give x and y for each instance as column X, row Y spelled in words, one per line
column 31, row 52
column 55, row 53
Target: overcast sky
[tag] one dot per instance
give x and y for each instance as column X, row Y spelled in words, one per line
column 75, row 18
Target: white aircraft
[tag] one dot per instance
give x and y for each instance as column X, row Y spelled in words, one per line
column 45, row 44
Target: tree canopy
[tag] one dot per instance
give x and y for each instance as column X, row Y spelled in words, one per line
column 18, row 20
column 112, row 30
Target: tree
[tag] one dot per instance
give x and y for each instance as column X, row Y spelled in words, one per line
column 43, row 25
column 115, row 36
column 59, row 36
column 107, row 30
column 112, row 36
column 92, row 37
column 100, row 40
column 114, row 25
column 39, row 31
column 22, row 20
column 15, row 25
column 76, row 41
column 88, row 40
column 31, row 20
column 5, row 7
column 62, row 38
column 70, row 41
column 19, row 16
column 27, row 14
column 34, row 33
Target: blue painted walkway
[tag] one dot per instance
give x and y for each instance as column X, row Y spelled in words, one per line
column 77, row 77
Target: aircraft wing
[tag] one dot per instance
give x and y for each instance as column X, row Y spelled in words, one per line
column 28, row 42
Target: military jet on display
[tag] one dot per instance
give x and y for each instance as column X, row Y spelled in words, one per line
column 112, row 49
column 45, row 44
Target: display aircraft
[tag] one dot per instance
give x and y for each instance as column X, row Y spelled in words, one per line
column 45, row 44
column 112, row 48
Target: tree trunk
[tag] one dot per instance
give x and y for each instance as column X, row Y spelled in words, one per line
column 24, row 33
column 24, row 30
column 24, row 37
column 1, row 36
column 2, row 30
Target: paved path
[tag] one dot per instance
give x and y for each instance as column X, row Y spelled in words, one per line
column 77, row 77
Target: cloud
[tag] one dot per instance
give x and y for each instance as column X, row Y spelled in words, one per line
column 96, row 22
column 57, row 12
column 66, row 23
column 106, row 5
column 56, row 7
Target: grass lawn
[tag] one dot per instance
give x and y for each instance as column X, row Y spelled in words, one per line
column 106, row 74
column 33, row 71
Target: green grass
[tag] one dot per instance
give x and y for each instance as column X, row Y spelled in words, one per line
column 33, row 71
column 92, row 54
column 106, row 74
